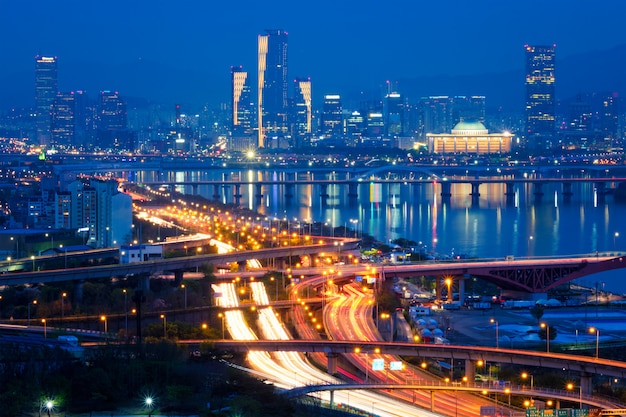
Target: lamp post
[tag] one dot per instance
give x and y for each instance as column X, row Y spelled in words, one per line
column 597, row 332
column 64, row 254
column 29, row 303
column 545, row 326
column 184, row 287
column 125, row 312
column 449, row 285
column 530, row 240
column 494, row 321
column 49, row 406
column 51, row 240
column 276, row 286
column 103, row 319
column 570, row 387
column 32, row 258
column 221, row 316
column 149, row 403
column 63, row 295
column 45, row 328
column 164, row 325
column 615, row 236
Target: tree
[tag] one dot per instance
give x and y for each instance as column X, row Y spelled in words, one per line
column 537, row 312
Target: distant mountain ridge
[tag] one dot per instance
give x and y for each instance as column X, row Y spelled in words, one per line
column 595, row 71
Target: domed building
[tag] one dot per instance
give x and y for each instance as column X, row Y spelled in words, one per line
column 469, row 137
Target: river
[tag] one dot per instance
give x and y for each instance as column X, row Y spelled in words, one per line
column 490, row 226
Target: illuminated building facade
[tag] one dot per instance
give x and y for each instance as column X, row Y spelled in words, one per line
column 469, row 138
column 240, row 101
column 62, row 124
column 302, row 111
column 540, row 88
column 394, row 114
column 439, row 114
column 272, row 85
column 46, row 88
column 332, row 117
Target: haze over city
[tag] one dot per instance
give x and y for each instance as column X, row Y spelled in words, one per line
column 181, row 52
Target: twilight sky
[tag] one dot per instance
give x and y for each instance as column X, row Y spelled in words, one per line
column 340, row 44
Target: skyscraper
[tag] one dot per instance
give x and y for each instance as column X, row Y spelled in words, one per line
column 332, row 117
column 302, row 110
column 540, row 106
column 240, row 101
column 62, row 125
column 46, row 86
column 272, row 85
column 394, row 114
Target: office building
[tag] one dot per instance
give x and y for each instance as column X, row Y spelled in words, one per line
column 439, row 114
column 62, row 124
column 46, row 88
column 272, row 86
column 394, row 114
column 540, row 104
column 241, row 104
column 113, row 130
column 302, row 112
column 332, row 117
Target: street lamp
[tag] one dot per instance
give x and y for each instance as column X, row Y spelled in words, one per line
column 184, row 288
column 63, row 295
column 615, row 236
column 449, row 284
column 45, row 329
column 570, row 387
column 221, row 316
column 49, row 406
column 164, row 325
column 545, row 326
column 494, row 321
column 597, row 332
column 32, row 258
column 275, row 285
column 149, row 402
column 103, row 319
column 530, row 239
column 125, row 311
column 29, row 303
column 525, row 376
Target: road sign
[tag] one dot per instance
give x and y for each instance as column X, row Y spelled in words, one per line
column 378, row 365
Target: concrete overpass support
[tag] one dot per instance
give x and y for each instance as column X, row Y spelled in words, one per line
column 178, row 277
column 585, row 383
column 470, row 371
column 78, row 291
column 461, row 290
column 446, row 190
column 144, row 282
column 331, row 365
column 216, row 192
column 332, row 399
column 432, row 401
column 438, row 289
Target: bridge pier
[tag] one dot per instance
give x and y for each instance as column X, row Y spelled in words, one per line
column 332, row 398
column 353, row 190
column 585, row 383
column 78, row 291
column 461, row 290
column 216, row 192
column 438, row 289
column 237, row 194
column 470, row 371
column 258, row 195
column 331, row 364
column 178, row 277
column 475, row 190
column 432, row 401
column 446, row 190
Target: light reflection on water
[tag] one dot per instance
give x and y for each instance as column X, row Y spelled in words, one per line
column 492, row 225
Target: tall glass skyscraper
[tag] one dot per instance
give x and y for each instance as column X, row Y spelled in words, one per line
column 46, row 88
column 302, row 111
column 540, row 105
column 241, row 104
column 272, row 85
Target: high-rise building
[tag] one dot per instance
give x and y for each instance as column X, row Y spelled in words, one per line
column 46, row 86
column 272, row 85
column 240, row 101
column 62, row 125
column 332, row 117
column 302, row 111
column 394, row 114
column 113, row 124
column 540, row 104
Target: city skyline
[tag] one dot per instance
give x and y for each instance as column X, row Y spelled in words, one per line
column 343, row 49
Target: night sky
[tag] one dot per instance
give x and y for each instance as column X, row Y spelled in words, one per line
column 182, row 50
